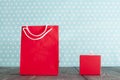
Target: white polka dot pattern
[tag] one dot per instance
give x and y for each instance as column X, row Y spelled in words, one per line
column 84, row 26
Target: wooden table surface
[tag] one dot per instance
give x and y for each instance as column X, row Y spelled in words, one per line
column 65, row 73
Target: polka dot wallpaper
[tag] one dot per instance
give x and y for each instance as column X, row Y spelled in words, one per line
column 84, row 26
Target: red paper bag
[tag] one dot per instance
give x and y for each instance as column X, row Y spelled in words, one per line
column 90, row 64
column 39, row 50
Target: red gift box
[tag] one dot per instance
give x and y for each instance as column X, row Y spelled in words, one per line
column 90, row 64
column 39, row 50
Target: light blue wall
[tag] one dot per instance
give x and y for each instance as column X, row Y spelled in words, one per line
column 84, row 26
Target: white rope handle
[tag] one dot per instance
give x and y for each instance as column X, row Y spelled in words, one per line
column 36, row 38
column 38, row 34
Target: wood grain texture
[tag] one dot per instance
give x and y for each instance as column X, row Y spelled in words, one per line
column 65, row 73
column 107, row 73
